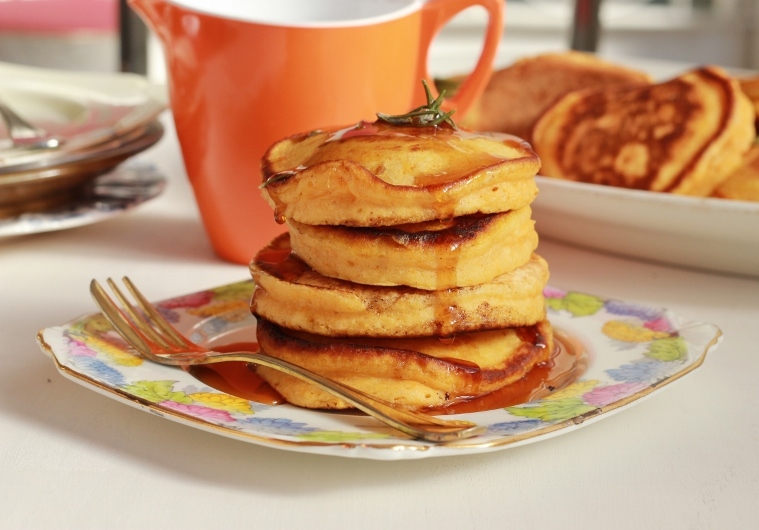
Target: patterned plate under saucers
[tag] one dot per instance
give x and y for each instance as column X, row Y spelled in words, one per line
column 633, row 351
column 55, row 181
column 108, row 195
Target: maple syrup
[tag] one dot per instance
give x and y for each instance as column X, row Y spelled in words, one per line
column 568, row 361
column 237, row 378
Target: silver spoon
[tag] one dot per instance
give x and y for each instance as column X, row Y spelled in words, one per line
column 26, row 135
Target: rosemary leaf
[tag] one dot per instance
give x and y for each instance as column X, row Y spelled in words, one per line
column 428, row 115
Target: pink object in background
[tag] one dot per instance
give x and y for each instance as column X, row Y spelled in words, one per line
column 64, row 16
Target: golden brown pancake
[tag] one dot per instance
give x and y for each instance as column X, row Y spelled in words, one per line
column 431, row 255
column 379, row 175
column 291, row 294
column 412, row 373
column 743, row 184
column 750, row 87
column 682, row 136
column 517, row 95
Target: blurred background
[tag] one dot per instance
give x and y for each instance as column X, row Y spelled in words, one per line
column 104, row 35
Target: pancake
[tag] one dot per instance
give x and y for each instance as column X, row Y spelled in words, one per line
column 743, row 184
column 517, row 95
column 383, row 175
column 291, row 294
column 411, row 373
column 682, row 136
column 432, row 255
column 750, row 87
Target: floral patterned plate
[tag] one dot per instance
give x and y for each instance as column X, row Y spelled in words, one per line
column 633, row 351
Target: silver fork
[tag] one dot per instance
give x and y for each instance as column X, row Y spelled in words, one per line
column 148, row 332
column 24, row 134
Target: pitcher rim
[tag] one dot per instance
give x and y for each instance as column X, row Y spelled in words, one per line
column 407, row 7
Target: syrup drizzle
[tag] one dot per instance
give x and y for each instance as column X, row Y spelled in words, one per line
column 567, row 363
column 237, row 378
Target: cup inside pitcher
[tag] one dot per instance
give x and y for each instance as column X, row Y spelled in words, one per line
column 304, row 12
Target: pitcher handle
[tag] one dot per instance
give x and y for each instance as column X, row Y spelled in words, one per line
column 435, row 14
column 154, row 13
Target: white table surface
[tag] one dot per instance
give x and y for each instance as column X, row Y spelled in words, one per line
column 71, row 458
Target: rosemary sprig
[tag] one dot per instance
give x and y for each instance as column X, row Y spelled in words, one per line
column 428, row 115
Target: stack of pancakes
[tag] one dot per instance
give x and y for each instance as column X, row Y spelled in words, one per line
column 409, row 269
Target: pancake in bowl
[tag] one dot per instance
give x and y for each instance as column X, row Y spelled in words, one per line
column 750, row 87
column 518, row 94
column 377, row 174
column 433, row 255
column 411, row 373
column 743, row 184
column 293, row 295
column 682, row 136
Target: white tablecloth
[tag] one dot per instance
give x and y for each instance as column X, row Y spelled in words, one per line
column 71, row 458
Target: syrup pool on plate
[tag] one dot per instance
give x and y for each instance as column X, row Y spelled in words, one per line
column 568, row 362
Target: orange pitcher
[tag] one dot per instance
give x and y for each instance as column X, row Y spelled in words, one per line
column 245, row 73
